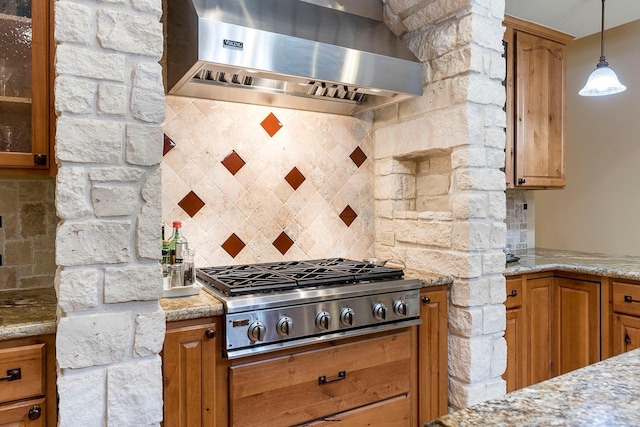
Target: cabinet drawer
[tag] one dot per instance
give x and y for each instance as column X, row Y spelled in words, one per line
column 29, row 359
column 17, row 414
column 626, row 298
column 306, row 386
column 394, row 412
column 514, row 293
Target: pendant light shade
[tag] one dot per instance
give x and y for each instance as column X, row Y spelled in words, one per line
column 603, row 80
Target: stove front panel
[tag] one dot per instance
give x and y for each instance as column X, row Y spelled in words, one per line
column 256, row 329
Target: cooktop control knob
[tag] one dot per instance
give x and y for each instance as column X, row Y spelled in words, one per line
column 284, row 326
column 257, row 331
column 400, row 307
column 323, row 320
column 380, row 311
column 346, row 316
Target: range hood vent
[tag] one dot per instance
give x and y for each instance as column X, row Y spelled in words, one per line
column 288, row 53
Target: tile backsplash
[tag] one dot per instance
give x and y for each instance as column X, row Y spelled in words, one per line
column 517, row 219
column 27, row 233
column 259, row 184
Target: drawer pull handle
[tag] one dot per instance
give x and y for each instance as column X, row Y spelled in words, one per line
column 34, row 413
column 323, row 379
column 628, row 298
column 513, row 293
column 12, row 375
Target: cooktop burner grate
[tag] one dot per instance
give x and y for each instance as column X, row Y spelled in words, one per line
column 235, row 280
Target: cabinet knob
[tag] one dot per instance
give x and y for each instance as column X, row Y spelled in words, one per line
column 210, row 333
column 34, row 413
column 426, row 300
column 627, row 339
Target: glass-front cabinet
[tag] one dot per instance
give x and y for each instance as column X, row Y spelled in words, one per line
column 24, row 86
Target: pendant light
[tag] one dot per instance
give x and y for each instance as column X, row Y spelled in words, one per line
column 603, row 80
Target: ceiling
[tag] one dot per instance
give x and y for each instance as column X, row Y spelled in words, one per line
column 576, row 17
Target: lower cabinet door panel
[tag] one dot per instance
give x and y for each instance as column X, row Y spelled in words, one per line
column 307, row 386
column 626, row 333
column 390, row 413
column 17, row 414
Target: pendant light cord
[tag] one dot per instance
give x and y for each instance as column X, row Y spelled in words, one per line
column 602, row 35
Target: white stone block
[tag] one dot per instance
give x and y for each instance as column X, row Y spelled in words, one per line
column 495, row 388
column 82, row 398
column 74, row 95
column 123, row 174
column 470, row 293
column 144, row 144
column 135, row 282
column 150, row 218
column 89, row 141
column 74, row 23
column 77, row 289
column 93, row 242
column 112, row 99
column 471, row 236
column 84, row 62
column 150, row 6
column 91, row 340
column 134, row 396
column 470, row 359
column 498, row 235
column 483, row 90
column 469, row 205
column 72, row 193
column 499, row 359
column 497, row 205
column 125, row 32
column 497, row 289
column 425, row 233
column 479, row 179
column 493, row 263
column 457, row 264
column 494, row 319
column 147, row 98
column 466, row 321
column 149, row 334
column 110, row 200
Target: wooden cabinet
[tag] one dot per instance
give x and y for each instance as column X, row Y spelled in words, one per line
column 626, row 316
column 536, row 86
column 337, row 382
column 191, row 351
column 577, row 324
column 28, row 382
column 539, row 294
column 514, row 334
column 554, row 328
column 433, row 354
column 25, row 90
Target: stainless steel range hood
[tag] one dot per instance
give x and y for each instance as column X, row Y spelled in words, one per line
column 288, row 53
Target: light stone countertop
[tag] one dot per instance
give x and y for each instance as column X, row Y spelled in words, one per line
column 191, row 307
column 27, row 312
column 604, row 394
column 538, row 260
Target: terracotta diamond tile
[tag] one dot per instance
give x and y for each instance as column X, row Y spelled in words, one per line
column 168, row 144
column 283, row 243
column 295, row 178
column 233, row 245
column 233, row 162
column 271, row 124
column 348, row 215
column 358, row 156
column 191, row 204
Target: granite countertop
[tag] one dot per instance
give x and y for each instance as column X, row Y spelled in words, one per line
column 603, row 394
column 191, row 307
column 428, row 279
column 537, row 260
column 27, row 312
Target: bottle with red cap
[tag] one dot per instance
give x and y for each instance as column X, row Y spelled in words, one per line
column 178, row 244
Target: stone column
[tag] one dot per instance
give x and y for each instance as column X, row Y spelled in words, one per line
column 439, row 184
column 109, row 102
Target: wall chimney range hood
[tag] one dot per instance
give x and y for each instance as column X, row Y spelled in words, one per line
column 329, row 56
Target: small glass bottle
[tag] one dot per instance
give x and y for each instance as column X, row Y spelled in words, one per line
column 177, row 277
column 177, row 242
column 165, row 261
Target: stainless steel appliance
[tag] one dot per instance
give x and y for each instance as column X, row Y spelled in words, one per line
column 334, row 56
column 288, row 304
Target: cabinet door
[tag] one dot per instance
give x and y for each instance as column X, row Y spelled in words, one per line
column 538, row 329
column 626, row 333
column 30, row 413
column 514, row 335
column 577, row 324
column 539, row 112
column 24, row 86
column 432, row 355
column 188, row 368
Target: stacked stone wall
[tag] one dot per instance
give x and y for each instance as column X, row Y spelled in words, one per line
column 109, row 103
